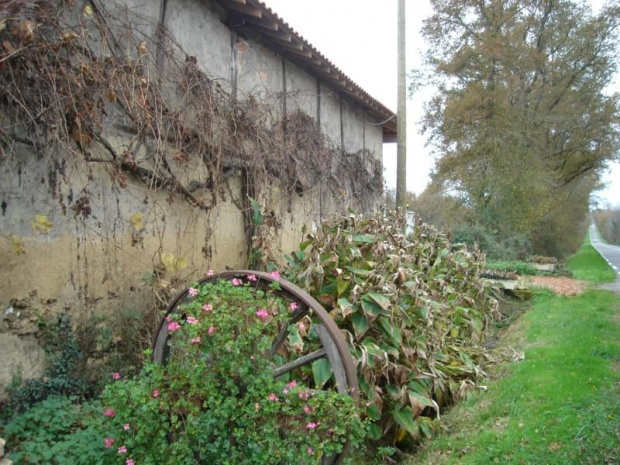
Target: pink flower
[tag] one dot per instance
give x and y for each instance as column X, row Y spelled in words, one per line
column 207, row 307
column 293, row 306
column 116, row 376
column 168, row 318
column 126, row 427
column 109, row 442
column 129, row 462
column 309, row 450
column 292, row 384
column 275, row 275
column 262, row 314
column 155, row 392
column 303, row 395
column 211, row 329
column 236, row 282
column 192, row 291
column 210, row 273
column 122, row 450
column 312, row 425
column 110, row 413
column 173, row 326
column 306, row 409
column 252, row 277
column 272, row 397
column 196, row 340
column 368, row 404
column 285, row 391
column 191, row 320
column 301, row 325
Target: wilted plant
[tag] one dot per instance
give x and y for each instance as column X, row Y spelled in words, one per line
column 412, row 309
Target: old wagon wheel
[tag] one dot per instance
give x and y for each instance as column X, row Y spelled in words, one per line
column 333, row 344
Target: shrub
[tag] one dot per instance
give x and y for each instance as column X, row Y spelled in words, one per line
column 412, row 311
column 513, row 266
column 215, row 401
column 516, row 247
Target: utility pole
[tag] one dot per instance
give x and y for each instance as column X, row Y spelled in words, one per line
column 401, row 150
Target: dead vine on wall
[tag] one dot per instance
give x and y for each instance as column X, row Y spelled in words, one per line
column 74, row 77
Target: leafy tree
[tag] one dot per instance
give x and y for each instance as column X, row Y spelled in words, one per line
column 521, row 118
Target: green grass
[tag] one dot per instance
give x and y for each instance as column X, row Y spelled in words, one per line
column 561, row 404
column 588, row 265
column 514, row 266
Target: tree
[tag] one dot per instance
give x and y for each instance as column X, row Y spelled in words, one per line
column 521, row 119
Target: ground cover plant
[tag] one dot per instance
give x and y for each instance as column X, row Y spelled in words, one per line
column 560, row 404
column 413, row 311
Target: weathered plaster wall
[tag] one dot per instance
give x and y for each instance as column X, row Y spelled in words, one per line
column 301, row 91
column 56, row 257
column 198, row 28
column 330, row 113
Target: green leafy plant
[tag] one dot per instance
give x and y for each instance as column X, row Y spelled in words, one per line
column 512, row 266
column 413, row 312
column 64, row 375
column 56, row 431
column 216, row 401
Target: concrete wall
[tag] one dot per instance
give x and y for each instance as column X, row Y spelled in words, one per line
column 57, row 257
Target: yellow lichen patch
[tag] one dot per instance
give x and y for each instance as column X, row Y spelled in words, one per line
column 41, row 224
column 137, row 221
column 18, row 244
column 173, row 264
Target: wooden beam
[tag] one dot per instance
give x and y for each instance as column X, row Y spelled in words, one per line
column 275, row 34
column 242, row 8
column 295, row 48
column 264, row 23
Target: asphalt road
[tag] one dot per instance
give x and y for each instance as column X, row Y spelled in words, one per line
column 611, row 253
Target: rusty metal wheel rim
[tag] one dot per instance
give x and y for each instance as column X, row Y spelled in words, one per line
column 292, row 292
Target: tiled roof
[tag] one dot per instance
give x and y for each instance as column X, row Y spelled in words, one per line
column 255, row 15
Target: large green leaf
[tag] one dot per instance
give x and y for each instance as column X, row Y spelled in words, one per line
column 404, row 417
column 367, row 238
column 359, row 271
column 371, row 308
column 257, row 216
column 390, row 330
column 374, row 431
column 383, row 301
column 321, row 371
column 360, row 324
column 346, row 307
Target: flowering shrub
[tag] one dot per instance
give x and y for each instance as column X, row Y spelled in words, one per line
column 215, row 400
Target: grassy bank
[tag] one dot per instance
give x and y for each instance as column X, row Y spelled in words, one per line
column 588, row 265
column 561, row 404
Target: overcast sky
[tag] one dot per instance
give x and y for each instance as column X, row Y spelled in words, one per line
column 359, row 36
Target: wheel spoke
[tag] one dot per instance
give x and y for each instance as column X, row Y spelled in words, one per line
column 290, row 366
column 279, row 340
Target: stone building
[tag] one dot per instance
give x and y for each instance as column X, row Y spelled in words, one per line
column 173, row 136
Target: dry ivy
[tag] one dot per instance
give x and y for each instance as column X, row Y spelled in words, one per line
column 74, row 74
